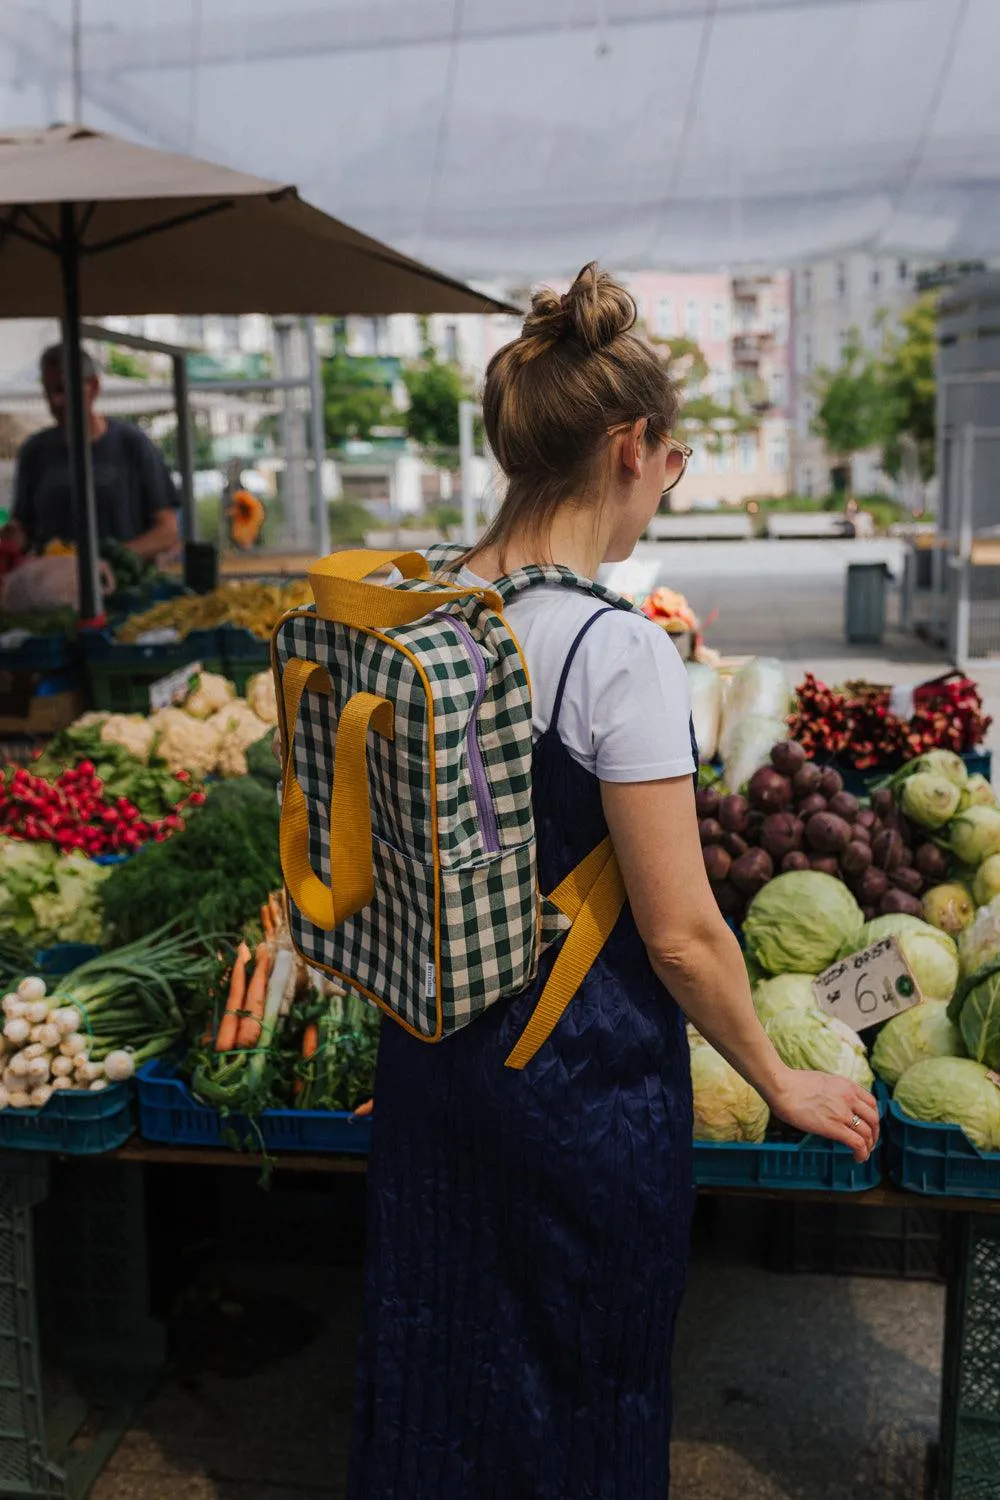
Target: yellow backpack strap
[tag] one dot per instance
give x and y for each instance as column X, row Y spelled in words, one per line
column 592, row 895
column 352, row 876
column 343, row 596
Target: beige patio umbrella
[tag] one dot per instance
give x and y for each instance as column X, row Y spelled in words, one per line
column 91, row 224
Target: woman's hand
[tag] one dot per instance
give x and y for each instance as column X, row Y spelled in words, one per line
column 822, row 1104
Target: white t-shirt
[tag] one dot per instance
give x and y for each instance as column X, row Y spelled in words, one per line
column 626, row 710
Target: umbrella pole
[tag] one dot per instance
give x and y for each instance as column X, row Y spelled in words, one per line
column 77, row 436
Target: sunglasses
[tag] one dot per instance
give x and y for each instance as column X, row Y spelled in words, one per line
column 678, row 455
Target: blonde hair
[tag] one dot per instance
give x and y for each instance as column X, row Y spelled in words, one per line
column 551, row 395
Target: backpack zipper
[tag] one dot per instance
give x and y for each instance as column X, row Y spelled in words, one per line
column 477, row 770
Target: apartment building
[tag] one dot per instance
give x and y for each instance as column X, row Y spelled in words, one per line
column 742, row 325
column 830, row 299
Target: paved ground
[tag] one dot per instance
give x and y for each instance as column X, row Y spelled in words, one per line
column 788, row 1387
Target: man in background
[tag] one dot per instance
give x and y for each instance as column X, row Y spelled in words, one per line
column 134, row 494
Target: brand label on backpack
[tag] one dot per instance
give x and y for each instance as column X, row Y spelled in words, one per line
column 430, row 983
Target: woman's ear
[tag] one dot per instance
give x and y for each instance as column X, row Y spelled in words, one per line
column 631, row 452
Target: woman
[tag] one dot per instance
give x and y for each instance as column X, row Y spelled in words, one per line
column 528, row 1232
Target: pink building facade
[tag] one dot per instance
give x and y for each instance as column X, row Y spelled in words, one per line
column 742, row 325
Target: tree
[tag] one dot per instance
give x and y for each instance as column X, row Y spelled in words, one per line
column 909, row 387
column 356, row 398
column 850, row 414
column 702, row 418
column 124, row 363
column 201, row 442
column 435, row 388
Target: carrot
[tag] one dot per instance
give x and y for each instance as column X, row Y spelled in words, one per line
column 310, row 1041
column 226, row 1039
column 364, row 1110
column 248, row 1032
column 267, row 920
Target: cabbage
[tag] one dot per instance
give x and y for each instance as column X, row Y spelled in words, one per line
column 923, row 1031
column 758, row 690
column 810, row 1039
column 979, row 1020
column 929, row 800
column 749, row 748
column 978, row 793
column 954, row 1090
column 939, row 763
column 974, row 835
column 706, row 708
column 987, row 882
column 979, row 944
column 787, row 992
column 949, row 907
column 930, row 953
column 800, row 921
column 726, row 1108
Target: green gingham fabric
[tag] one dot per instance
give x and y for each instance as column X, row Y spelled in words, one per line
column 493, row 922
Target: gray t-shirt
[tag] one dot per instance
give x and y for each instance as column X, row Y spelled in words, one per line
column 131, row 484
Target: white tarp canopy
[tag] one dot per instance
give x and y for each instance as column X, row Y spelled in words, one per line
column 517, row 138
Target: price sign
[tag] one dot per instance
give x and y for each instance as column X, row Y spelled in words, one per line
column 175, row 686
column 868, row 987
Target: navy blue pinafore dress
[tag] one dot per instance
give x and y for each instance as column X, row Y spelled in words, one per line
column 528, row 1231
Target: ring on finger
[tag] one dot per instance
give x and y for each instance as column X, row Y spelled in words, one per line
column 855, row 1121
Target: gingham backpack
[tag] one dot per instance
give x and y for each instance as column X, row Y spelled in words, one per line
column 407, row 835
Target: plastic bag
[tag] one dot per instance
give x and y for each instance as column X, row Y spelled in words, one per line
column 759, row 690
column 46, row 583
column 706, row 708
column 750, row 746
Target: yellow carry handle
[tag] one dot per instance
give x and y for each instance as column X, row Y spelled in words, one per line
column 343, row 596
column 592, row 896
column 352, row 875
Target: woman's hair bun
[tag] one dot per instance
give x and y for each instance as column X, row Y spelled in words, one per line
column 593, row 313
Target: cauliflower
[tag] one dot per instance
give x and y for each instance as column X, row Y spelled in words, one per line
column 88, row 720
column 212, row 693
column 184, row 743
column 261, row 697
column 131, row 730
column 236, row 728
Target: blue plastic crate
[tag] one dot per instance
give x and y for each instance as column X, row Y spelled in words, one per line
column 43, row 653
column 938, row 1160
column 77, row 1124
column 169, row 1113
column 101, row 647
column 63, row 958
column 861, row 783
column 810, row 1164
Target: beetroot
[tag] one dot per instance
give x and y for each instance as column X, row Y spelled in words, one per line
column 733, row 813
column 710, row 831
column 832, row 783
column 768, row 791
column 706, row 801
column 861, row 835
column 827, row 834
column 855, row 859
column 811, row 806
column 871, row 887
column 730, row 901
column 755, row 825
column 717, row 863
column 907, row 879
column 735, row 844
column 807, row 781
column 869, row 913
column 932, row 862
column 788, row 757
column 845, row 806
column 795, row 859
column 825, row 864
column 882, row 801
column 893, row 821
column 781, row 833
column 866, row 818
column 898, row 901
column 887, row 850
column 752, row 871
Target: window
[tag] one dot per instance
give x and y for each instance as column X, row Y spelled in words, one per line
column 720, row 321
column 666, row 320
column 699, row 457
column 807, row 286
column 902, row 270
column 841, row 281
column 777, row 453
column 807, row 483
column 723, row 387
column 193, row 330
column 692, row 319
column 230, row 329
column 876, row 276
column 451, row 343
column 724, row 458
column 777, row 321
column 748, row 453
column 807, row 353
column 777, row 387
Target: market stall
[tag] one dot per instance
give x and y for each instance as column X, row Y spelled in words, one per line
column 184, row 1030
